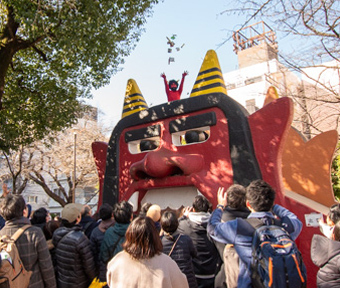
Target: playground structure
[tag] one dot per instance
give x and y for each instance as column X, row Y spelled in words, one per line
column 149, row 158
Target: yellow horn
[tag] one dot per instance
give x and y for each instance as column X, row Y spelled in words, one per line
column 271, row 95
column 134, row 100
column 210, row 79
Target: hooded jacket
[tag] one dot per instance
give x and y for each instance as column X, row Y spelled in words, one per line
column 207, row 260
column 112, row 242
column 325, row 253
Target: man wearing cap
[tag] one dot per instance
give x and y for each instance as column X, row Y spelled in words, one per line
column 74, row 258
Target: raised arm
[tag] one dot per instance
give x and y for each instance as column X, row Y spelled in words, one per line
column 289, row 220
column 165, row 83
column 185, row 73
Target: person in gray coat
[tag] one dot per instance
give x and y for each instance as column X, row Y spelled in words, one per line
column 325, row 253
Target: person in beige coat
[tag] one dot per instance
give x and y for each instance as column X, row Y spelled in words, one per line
column 141, row 263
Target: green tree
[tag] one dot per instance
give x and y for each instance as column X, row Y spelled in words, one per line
column 335, row 173
column 54, row 52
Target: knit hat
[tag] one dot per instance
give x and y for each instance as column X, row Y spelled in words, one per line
column 70, row 212
column 154, row 212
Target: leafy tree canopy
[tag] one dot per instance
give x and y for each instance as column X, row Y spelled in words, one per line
column 54, row 52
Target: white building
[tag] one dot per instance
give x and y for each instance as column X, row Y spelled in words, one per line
column 314, row 91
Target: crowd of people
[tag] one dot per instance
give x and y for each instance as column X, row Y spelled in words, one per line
column 197, row 247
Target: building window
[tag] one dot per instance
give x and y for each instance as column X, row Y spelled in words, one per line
column 58, row 192
column 231, row 86
column 253, row 80
column 32, row 199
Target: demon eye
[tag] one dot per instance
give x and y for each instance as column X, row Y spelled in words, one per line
column 143, row 139
column 143, row 145
column 192, row 129
column 188, row 137
column 147, row 145
column 195, row 136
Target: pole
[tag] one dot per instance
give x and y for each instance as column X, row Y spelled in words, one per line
column 74, row 168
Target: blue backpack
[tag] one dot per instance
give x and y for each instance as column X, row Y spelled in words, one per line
column 277, row 261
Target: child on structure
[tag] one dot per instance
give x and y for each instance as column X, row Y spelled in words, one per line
column 333, row 217
column 171, row 88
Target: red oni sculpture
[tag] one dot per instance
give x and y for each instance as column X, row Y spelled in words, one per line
column 169, row 153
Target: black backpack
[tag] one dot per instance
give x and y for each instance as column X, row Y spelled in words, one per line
column 277, row 261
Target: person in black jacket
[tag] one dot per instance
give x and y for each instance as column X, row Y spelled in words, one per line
column 236, row 208
column 40, row 217
column 97, row 236
column 74, row 258
column 194, row 224
column 87, row 222
column 178, row 246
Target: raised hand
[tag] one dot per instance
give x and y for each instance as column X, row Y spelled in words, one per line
column 222, row 196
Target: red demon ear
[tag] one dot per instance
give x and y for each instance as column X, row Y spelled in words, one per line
column 269, row 127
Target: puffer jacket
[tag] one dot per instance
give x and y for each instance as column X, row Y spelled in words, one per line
column 182, row 253
column 74, row 258
column 206, row 264
column 325, row 253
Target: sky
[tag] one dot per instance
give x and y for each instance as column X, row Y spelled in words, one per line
column 199, row 25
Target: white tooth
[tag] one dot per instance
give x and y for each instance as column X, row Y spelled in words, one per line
column 134, row 201
column 173, row 197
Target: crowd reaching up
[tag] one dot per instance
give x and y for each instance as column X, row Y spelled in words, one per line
column 196, row 247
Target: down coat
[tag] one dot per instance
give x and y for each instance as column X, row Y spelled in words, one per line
column 207, row 260
column 325, row 253
column 74, row 258
column 182, row 253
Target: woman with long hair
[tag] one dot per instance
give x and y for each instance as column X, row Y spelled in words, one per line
column 141, row 263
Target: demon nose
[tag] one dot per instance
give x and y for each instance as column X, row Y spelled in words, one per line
column 164, row 163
